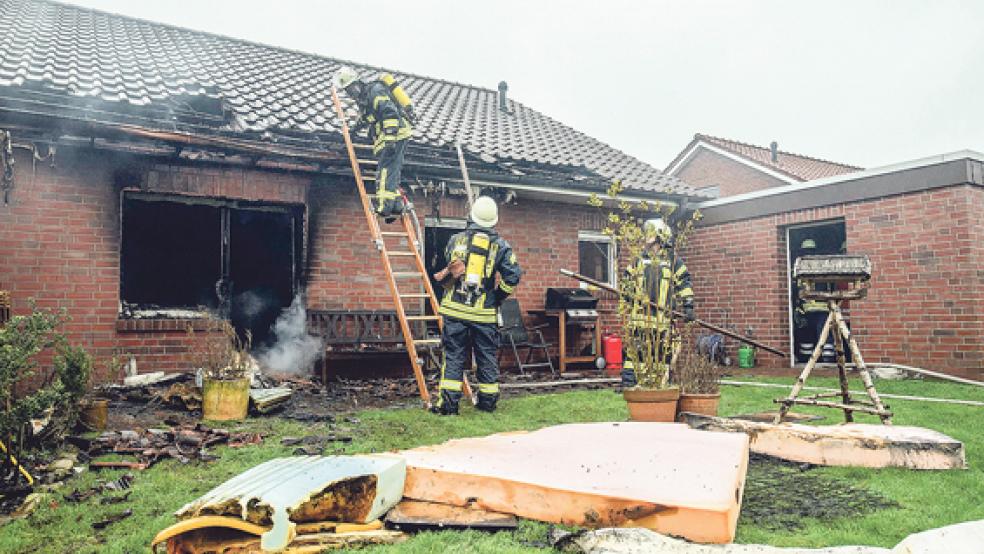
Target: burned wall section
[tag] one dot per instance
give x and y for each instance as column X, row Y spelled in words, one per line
column 923, row 305
column 60, row 243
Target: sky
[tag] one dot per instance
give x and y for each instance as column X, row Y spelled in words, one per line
column 867, row 83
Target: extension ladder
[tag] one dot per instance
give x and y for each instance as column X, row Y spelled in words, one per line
column 405, row 248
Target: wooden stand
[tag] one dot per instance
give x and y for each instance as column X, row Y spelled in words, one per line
column 842, row 335
column 561, row 316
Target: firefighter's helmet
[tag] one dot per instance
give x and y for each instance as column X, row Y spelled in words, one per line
column 659, row 228
column 345, row 76
column 484, row 212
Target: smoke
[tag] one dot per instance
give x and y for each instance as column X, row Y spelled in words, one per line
column 294, row 351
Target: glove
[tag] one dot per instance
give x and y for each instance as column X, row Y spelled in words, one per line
column 688, row 313
column 457, row 268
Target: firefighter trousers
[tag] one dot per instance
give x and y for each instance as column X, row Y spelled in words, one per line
column 460, row 338
column 650, row 335
column 390, row 170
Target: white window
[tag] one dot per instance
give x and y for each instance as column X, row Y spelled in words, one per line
column 596, row 256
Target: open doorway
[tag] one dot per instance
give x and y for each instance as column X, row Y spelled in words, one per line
column 805, row 320
column 437, row 233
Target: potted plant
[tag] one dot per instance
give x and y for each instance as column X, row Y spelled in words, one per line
column 647, row 347
column 224, row 361
column 699, row 379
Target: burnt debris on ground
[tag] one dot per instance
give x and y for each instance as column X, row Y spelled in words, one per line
column 780, row 494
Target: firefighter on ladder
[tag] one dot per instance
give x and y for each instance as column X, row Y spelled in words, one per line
column 470, row 306
column 389, row 121
column 663, row 278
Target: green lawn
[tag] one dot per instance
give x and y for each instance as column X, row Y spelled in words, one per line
column 926, row 499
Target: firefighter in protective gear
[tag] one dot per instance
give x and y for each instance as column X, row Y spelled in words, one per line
column 389, row 131
column 811, row 314
column 664, row 279
column 472, row 296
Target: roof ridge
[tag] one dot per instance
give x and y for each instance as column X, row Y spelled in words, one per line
column 704, row 136
column 260, row 44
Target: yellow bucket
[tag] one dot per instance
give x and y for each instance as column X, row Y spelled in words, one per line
column 224, row 400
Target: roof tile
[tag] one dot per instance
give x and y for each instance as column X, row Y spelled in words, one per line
column 131, row 61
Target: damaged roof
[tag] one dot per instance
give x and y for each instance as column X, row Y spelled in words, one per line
column 66, row 60
column 796, row 167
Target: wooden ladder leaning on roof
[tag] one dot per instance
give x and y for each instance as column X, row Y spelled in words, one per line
column 392, row 254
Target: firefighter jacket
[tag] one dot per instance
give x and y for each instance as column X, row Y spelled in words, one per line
column 663, row 279
column 480, row 303
column 383, row 116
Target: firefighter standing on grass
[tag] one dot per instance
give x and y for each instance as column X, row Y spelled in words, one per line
column 663, row 278
column 470, row 306
column 386, row 111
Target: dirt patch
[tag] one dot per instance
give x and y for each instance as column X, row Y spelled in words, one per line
column 780, row 494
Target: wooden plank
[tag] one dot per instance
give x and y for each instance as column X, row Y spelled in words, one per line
column 847, row 444
column 414, row 514
column 692, row 485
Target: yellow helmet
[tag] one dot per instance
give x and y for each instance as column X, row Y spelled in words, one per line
column 660, row 228
column 344, row 77
column 484, row 212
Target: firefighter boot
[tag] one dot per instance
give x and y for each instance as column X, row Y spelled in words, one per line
column 447, row 404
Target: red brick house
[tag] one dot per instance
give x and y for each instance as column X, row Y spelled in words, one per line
column 921, row 223
column 149, row 171
column 726, row 167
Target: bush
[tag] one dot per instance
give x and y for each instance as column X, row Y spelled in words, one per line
column 22, row 340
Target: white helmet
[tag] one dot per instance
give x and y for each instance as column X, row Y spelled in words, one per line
column 484, row 212
column 344, row 77
column 662, row 230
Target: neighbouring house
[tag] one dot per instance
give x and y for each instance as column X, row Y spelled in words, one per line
column 153, row 173
column 723, row 167
column 921, row 223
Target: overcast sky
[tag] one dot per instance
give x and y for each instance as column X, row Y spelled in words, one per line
column 866, row 83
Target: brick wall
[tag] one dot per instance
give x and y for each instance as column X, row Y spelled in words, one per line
column 709, row 169
column 60, row 244
column 923, row 305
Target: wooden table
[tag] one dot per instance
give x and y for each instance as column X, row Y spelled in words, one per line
column 561, row 316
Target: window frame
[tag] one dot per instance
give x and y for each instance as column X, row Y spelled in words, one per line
column 599, row 237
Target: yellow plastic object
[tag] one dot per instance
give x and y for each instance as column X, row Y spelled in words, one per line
column 20, row 468
column 224, row 400
column 202, row 522
column 478, row 252
column 399, row 94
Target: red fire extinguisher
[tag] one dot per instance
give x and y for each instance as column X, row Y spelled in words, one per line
column 612, row 348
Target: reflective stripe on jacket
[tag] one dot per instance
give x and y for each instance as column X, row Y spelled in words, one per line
column 666, row 282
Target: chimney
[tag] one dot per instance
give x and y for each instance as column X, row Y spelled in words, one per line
column 503, row 87
column 774, row 147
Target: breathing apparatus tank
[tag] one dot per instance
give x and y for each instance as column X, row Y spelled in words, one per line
column 478, row 254
column 399, row 96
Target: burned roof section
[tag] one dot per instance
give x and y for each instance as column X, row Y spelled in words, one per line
column 71, row 62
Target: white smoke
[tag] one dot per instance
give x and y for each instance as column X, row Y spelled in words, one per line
column 295, row 351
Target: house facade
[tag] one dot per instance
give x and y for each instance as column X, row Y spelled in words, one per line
column 725, row 167
column 154, row 175
column 922, row 226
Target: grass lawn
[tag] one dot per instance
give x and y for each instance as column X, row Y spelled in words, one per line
column 925, row 499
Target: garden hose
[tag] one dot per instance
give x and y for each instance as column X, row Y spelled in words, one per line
column 20, row 468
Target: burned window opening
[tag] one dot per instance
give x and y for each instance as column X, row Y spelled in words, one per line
column 237, row 260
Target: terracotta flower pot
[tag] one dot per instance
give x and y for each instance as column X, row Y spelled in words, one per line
column 704, row 404
column 225, row 399
column 652, row 404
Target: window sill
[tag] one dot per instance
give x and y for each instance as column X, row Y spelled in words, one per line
column 161, row 325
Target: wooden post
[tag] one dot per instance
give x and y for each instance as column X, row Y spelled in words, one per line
column 841, row 366
column 869, row 385
column 801, row 380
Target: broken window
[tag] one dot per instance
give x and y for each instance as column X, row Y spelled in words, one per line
column 236, row 259
column 596, row 256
